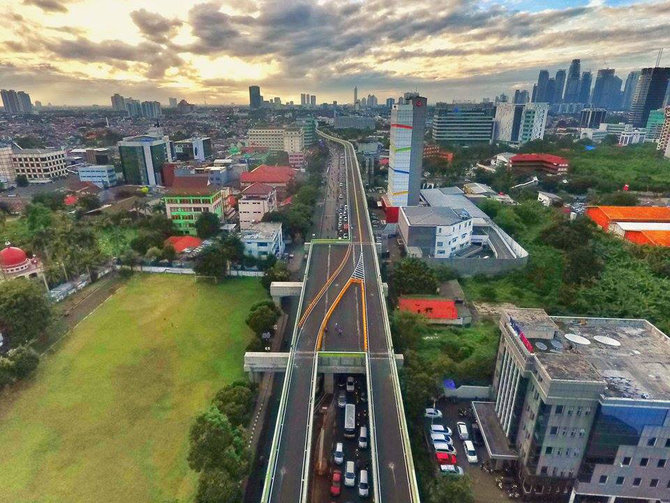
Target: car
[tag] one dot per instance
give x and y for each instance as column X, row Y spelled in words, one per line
column 441, row 437
column 444, row 447
column 470, row 452
column 350, row 384
column 438, row 428
column 433, row 413
column 462, row 430
column 444, row 458
column 363, row 487
column 338, row 455
column 336, row 483
column 341, row 400
column 350, row 475
column 451, row 470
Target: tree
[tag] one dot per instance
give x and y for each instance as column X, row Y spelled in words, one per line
column 52, row 200
column 411, row 275
column 233, row 248
column 89, row 202
column 236, row 401
column 38, row 217
column 407, row 329
column 169, row 253
column 278, row 272
column 25, row 311
column 212, row 262
column 451, row 489
column 207, row 225
column 262, row 319
column 217, row 486
column 24, row 361
column 216, row 445
column 153, row 254
column 22, row 180
column 130, row 258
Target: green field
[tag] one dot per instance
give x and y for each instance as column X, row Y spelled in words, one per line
column 106, row 417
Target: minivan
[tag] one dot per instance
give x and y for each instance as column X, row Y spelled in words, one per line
column 462, row 430
column 341, row 400
column 470, row 452
column 363, row 438
column 349, row 475
column 338, row 456
column 363, row 488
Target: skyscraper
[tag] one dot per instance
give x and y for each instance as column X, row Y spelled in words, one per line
column 255, row 98
column 463, row 123
column 10, row 101
column 572, row 83
column 173, row 102
column 592, row 117
column 151, row 109
column 518, row 124
column 551, row 89
column 133, row 107
column 390, row 102
column 629, row 90
column 118, row 103
column 560, row 86
column 607, row 90
column 355, row 94
column 408, row 124
column 649, row 93
column 520, row 96
column 540, row 92
column 585, row 88
column 25, row 105
column 302, row 99
column 312, row 100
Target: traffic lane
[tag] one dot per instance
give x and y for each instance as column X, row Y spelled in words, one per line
column 287, row 481
column 348, row 317
column 393, row 471
column 377, row 341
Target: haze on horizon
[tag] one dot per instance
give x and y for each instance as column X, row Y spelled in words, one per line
column 80, row 52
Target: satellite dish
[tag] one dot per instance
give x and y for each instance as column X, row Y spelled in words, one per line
column 578, row 339
column 556, row 344
column 608, row 341
column 541, row 346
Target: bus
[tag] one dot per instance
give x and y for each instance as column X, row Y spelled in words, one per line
column 350, row 420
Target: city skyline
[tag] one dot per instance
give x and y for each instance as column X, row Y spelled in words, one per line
column 80, row 53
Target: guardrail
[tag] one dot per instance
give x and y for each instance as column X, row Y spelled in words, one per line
column 276, row 438
column 414, row 490
column 307, row 453
column 376, row 491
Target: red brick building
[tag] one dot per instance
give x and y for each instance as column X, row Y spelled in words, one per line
column 545, row 163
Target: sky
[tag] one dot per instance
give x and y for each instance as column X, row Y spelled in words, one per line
column 80, row 52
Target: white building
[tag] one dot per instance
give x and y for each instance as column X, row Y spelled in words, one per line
column 39, row 165
column 549, row 199
column 263, row 239
column 103, row 176
column 7, row 173
column 626, row 134
column 257, row 200
column 435, row 232
column 271, row 138
column 294, row 140
column 517, row 124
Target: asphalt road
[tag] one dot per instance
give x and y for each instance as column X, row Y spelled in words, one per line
column 331, row 267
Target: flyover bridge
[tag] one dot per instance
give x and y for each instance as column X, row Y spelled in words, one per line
column 342, row 285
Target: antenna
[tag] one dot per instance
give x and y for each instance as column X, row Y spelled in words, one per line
column 658, row 58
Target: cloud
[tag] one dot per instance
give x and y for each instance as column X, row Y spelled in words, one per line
column 154, row 26
column 47, row 5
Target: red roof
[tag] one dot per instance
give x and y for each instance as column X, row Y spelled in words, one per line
column 550, row 158
column 12, row 256
column 433, row 309
column 286, row 202
column 70, row 200
column 268, row 174
column 258, row 189
column 180, row 243
column 653, row 238
column 190, row 182
column 232, row 201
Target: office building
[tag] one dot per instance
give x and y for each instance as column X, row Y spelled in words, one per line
column 518, row 124
column 118, row 103
column 355, row 94
column 629, row 90
column 540, row 89
column 372, row 101
column 308, row 125
column 560, row 86
column 294, row 140
column 184, row 204
column 649, row 93
column 263, row 239
column 390, row 102
column 173, row 102
column 133, row 107
column 193, row 149
column 10, row 101
column 408, row 124
column 270, row 138
column 539, row 163
column 151, row 109
column 521, row 97
column 549, row 97
column 25, row 105
column 353, row 122
column 255, row 98
column 143, row 157
column 654, row 124
column 607, row 90
column 572, row 83
column 302, row 99
column 664, row 136
column 39, row 165
column 585, row 88
column 463, row 123
column 102, row 176
column 257, row 200
column 7, row 172
column 582, row 405
column 592, row 117
column 312, row 99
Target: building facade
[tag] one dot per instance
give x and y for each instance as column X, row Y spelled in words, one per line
column 408, row 125
column 293, row 140
column 39, row 165
column 435, row 232
column 99, row 175
column 353, row 122
column 142, row 159
column 664, row 136
column 118, row 103
column 271, row 138
column 463, row 123
column 649, row 94
column 183, row 206
column 7, row 172
column 519, row 124
column 255, row 98
column 263, row 239
column 592, row 117
column 193, row 149
column 257, row 200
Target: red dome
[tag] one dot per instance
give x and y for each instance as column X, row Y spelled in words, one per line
column 12, row 257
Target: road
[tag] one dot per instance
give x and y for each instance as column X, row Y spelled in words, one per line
column 329, row 292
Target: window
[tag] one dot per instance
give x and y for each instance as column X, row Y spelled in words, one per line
column 619, row 481
column 543, row 470
column 637, row 481
column 553, row 430
column 568, row 451
column 558, row 410
column 651, row 442
column 644, row 461
column 653, row 483
column 569, row 411
column 559, row 451
column 549, row 450
column 661, row 463
column 579, row 411
column 603, row 479
column 667, row 442
column 625, row 461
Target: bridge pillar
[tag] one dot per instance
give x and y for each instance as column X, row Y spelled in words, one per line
column 385, row 289
column 329, row 383
column 255, row 377
column 277, row 300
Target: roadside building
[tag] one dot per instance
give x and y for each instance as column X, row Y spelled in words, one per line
column 39, row 165
column 278, row 177
column 549, row 199
column 257, row 200
column 193, row 149
column 463, row 123
column 184, row 204
column 437, row 311
column 263, row 239
column 435, row 232
column 607, row 216
column 544, row 163
column 101, row 176
column 143, row 157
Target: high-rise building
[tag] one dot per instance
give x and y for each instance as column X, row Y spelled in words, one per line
column 607, row 90
column 655, row 124
column 193, row 149
column 39, row 164
column 390, row 102
column 118, row 103
column 364, row 102
column 463, row 122
column 7, row 171
column 592, row 117
column 133, row 107
column 629, row 90
column 143, row 157
column 25, row 105
column 664, row 137
column 585, row 88
column 408, row 124
column 355, row 94
column 10, row 101
column 151, row 109
column 560, row 86
column 540, row 90
column 372, row 100
column 572, row 83
column 255, row 98
column 173, row 102
column 521, row 96
column 302, row 99
column 518, row 124
column 551, row 89
column 312, row 100
column 649, row 93
column 308, row 125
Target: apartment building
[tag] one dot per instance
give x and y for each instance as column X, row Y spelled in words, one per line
column 102, row 176
column 7, row 172
column 263, row 239
column 257, row 200
column 183, row 205
column 39, row 165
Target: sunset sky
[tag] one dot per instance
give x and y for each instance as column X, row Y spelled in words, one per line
column 79, row 52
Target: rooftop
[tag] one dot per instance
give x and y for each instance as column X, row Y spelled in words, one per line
column 550, row 158
column 181, row 243
column 269, row 174
column 634, row 213
column 263, row 231
column 429, row 216
column 258, row 189
column 451, row 197
column 656, row 238
column 433, row 309
column 38, row 151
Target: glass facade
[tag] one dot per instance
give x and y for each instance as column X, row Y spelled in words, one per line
column 535, row 449
column 134, row 165
column 158, row 158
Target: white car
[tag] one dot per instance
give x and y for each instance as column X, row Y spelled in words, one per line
column 350, row 384
column 441, row 437
column 470, row 452
column 451, row 470
column 433, row 413
column 338, row 455
column 341, row 400
column 438, row 428
column 462, row 430
column 444, row 447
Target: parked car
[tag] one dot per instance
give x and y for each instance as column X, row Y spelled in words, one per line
column 444, row 447
column 444, row 458
column 336, row 483
column 470, row 452
column 440, row 437
column 350, row 384
column 451, row 470
column 433, row 413
column 438, row 428
column 338, row 455
column 462, row 430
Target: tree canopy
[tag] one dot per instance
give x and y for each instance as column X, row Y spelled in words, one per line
column 25, row 311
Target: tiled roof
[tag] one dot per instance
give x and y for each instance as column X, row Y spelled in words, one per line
column 258, row 189
column 268, row 174
column 180, row 243
column 553, row 159
column 434, row 309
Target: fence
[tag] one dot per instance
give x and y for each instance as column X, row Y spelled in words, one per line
column 469, row 392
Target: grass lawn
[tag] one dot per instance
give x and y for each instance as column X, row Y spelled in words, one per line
column 106, row 418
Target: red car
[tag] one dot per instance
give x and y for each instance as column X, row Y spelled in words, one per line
column 444, row 458
column 336, row 484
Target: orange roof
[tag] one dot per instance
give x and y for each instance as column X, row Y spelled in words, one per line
column 434, row 309
column 180, row 243
column 550, row 158
column 654, row 238
column 635, row 213
column 268, row 174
